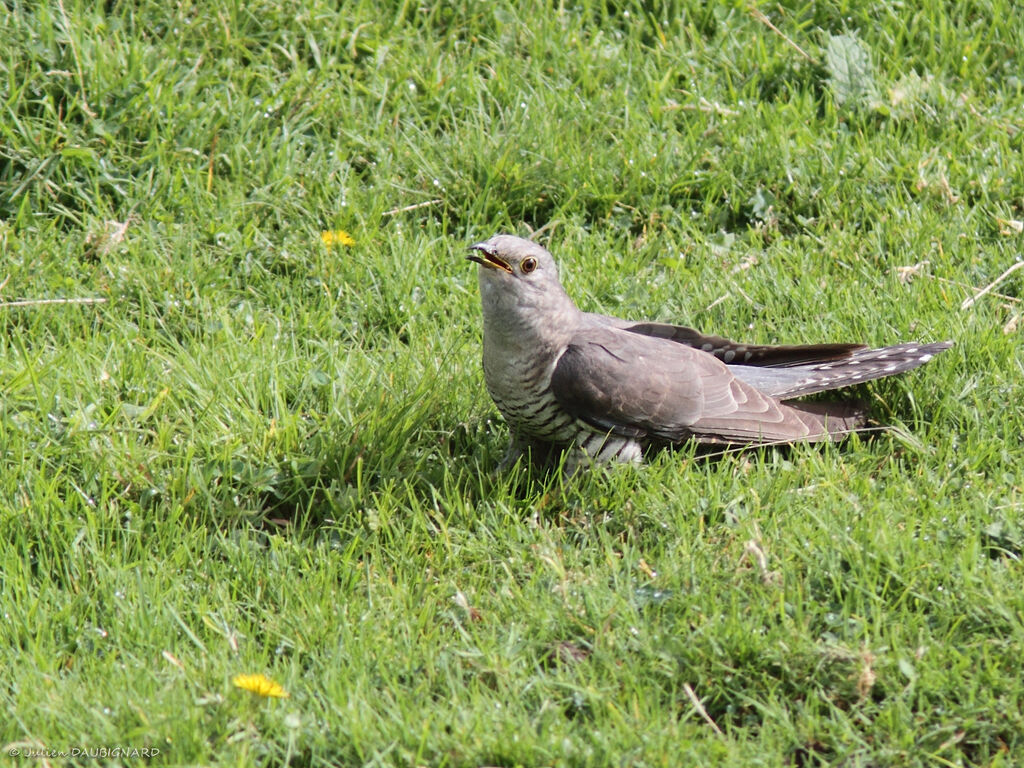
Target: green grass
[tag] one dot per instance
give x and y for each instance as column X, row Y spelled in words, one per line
column 261, row 454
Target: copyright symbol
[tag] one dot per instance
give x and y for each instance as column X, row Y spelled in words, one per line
column 13, row 751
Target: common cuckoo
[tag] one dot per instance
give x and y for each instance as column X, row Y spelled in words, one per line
column 610, row 388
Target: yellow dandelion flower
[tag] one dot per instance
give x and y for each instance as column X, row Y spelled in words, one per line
column 337, row 237
column 261, row 685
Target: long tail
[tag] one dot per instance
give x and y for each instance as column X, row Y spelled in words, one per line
column 860, row 366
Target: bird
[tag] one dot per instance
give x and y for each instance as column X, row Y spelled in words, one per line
column 604, row 390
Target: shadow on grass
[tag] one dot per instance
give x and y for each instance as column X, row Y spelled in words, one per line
column 345, row 477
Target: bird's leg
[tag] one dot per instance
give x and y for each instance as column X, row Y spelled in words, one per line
column 516, row 449
column 576, row 460
column 537, row 452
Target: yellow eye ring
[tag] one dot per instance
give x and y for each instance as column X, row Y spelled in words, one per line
column 529, row 264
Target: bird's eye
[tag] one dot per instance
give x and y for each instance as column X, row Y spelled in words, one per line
column 528, row 265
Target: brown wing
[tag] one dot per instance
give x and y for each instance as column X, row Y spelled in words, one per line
column 644, row 386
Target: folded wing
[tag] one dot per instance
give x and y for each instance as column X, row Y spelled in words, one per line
column 643, row 386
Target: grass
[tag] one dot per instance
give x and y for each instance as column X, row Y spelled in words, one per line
column 257, row 453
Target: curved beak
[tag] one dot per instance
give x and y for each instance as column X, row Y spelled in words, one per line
column 489, row 259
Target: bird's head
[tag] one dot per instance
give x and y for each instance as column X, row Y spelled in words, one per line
column 515, row 256
column 519, row 284
column 517, row 268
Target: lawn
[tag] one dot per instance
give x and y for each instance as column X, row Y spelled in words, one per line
column 242, row 415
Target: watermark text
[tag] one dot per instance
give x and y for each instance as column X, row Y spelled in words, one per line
column 82, row 752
